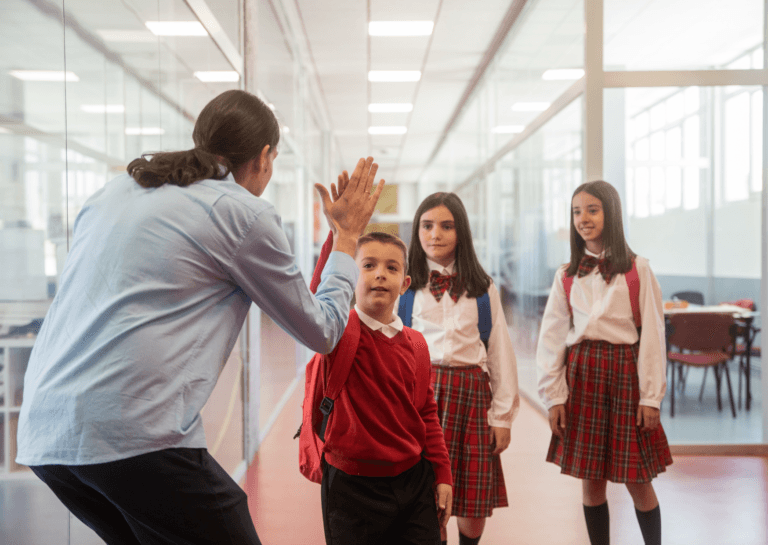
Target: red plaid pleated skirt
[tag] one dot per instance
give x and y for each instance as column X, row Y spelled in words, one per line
column 463, row 396
column 602, row 439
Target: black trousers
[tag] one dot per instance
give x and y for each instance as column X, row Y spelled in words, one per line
column 174, row 496
column 380, row 510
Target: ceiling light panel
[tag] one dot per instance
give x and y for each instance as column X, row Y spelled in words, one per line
column 176, row 28
column 563, row 74
column 389, row 129
column 390, row 107
column 218, row 76
column 400, row 28
column 44, row 75
column 394, row 75
column 530, row 106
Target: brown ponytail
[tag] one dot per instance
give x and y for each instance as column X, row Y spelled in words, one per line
column 231, row 130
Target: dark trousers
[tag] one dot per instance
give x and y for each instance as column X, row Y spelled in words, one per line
column 173, row 496
column 380, row 510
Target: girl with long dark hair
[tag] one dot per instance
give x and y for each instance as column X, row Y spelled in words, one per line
column 601, row 379
column 474, row 372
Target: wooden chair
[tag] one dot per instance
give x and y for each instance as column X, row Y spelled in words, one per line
column 703, row 340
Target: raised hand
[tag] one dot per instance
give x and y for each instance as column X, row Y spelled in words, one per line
column 352, row 205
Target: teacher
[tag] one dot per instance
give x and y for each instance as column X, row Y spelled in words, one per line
column 164, row 264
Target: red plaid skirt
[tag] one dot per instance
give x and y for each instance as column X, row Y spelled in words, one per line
column 463, row 396
column 602, row 440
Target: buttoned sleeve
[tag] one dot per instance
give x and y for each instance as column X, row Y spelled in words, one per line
column 502, row 367
column 265, row 268
column 652, row 359
column 551, row 350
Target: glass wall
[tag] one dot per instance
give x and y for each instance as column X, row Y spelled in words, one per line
column 85, row 87
column 687, row 160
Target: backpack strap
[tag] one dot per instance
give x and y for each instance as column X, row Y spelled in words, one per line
column 422, row 357
column 339, row 371
column 567, row 285
column 325, row 251
column 633, row 283
column 484, row 324
column 405, row 308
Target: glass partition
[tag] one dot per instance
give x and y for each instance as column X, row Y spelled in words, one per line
column 679, row 34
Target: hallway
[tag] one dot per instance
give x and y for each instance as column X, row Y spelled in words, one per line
column 705, row 500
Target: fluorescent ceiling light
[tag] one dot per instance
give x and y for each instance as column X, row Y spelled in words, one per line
column 286, row 130
column 144, row 131
column 217, row 76
column 508, row 129
column 530, row 106
column 393, row 129
column 394, row 75
column 103, row 108
column 390, row 107
column 44, row 75
column 127, row 36
column 176, row 28
column 400, row 28
column 563, row 73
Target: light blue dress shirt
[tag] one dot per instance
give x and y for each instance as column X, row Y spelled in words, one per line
column 154, row 292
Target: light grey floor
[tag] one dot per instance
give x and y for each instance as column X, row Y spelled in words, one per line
column 700, row 422
column 30, row 514
column 695, row 422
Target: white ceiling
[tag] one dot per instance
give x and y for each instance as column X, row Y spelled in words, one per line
column 344, row 53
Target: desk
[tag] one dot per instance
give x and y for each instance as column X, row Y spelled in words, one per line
column 742, row 316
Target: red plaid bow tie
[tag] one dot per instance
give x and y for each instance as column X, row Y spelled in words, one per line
column 589, row 262
column 440, row 283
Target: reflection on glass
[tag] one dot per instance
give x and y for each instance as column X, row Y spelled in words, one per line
column 686, row 34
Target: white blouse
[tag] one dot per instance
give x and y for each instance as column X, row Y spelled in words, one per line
column 450, row 330
column 603, row 312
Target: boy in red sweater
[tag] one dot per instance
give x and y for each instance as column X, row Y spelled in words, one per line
column 387, row 476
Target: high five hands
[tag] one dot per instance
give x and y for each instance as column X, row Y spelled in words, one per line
column 350, row 206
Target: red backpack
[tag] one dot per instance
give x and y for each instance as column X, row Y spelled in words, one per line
column 319, row 397
column 633, row 283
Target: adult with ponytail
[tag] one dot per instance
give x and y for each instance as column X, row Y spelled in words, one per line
column 164, row 264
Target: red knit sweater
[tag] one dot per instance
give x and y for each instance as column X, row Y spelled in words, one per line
column 385, row 416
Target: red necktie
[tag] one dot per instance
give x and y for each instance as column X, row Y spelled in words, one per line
column 440, row 283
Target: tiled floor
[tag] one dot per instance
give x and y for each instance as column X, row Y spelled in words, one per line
column 705, row 500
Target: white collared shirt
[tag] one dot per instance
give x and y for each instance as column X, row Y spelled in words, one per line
column 390, row 330
column 450, row 330
column 603, row 312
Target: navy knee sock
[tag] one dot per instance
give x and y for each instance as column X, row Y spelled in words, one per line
column 464, row 540
column 598, row 524
column 650, row 525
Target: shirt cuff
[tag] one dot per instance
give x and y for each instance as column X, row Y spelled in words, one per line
column 442, row 475
column 651, row 403
column 557, row 401
column 344, row 264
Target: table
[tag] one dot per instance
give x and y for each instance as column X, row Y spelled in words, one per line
column 741, row 315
